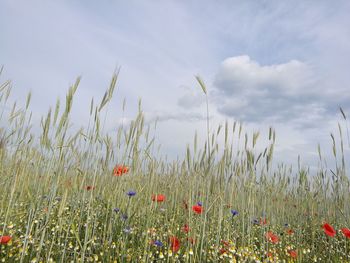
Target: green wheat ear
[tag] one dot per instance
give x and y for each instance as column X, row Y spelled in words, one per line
column 201, row 83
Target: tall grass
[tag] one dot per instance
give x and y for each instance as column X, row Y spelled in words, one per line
column 60, row 201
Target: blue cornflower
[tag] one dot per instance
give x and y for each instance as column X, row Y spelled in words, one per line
column 158, row 243
column 200, row 203
column 131, row 193
column 234, row 212
column 255, row 221
column 124, row 217
column 127, row 230
column 116, row 210
column 286, row 224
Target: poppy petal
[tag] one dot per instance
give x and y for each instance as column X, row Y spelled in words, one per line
column 346, row 232
column 328, row 230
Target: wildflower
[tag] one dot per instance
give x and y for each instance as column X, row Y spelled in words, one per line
column 116, row 210
column 293, row 253
column 151, row 231
column 127, row 230
column 119, row 170
column 225, row 243
column 346, row 232
column 200, row 204
column 90, row 187
column 270, row 236
column 158, row 198
column 290, row 231
column 174, row 243
column 124, row 217
column 263, row 221
column 328, row 230
column 255, row 221
column 223, row 251
column 131, row 193
column 234, row 212
column 158, row 243
column 5, row 239
column 197, row 209
column 186, row 228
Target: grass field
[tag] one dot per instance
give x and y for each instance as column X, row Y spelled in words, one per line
column 85, row 196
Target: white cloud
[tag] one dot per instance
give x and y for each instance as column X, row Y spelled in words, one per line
column 284, row 92
column 242, row 75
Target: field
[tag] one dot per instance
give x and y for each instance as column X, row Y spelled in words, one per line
column 87, row 196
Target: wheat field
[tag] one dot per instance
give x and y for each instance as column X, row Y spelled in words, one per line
column 90, row 196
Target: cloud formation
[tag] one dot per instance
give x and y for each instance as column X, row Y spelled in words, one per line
column 246, row 90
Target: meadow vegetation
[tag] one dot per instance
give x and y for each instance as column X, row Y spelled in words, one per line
column 87, row 196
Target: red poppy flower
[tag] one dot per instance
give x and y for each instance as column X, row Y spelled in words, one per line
column 158, row 198
column 293, row 253
column 174, row 243
column 269, row 254
column 197, row 209
column 119, row 170
column 272, row 237
column 290, row 231
column 90, row 187
column 328, row 230
column 263, row 221
column 125, row 169
column 222, row 251
column 346, row 232
column 186, row 228
column 5, row 239
column 225, row 243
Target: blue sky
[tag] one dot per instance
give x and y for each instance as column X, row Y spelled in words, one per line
column 279, row 63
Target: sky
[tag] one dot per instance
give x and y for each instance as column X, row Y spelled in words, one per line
column 283, row 64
